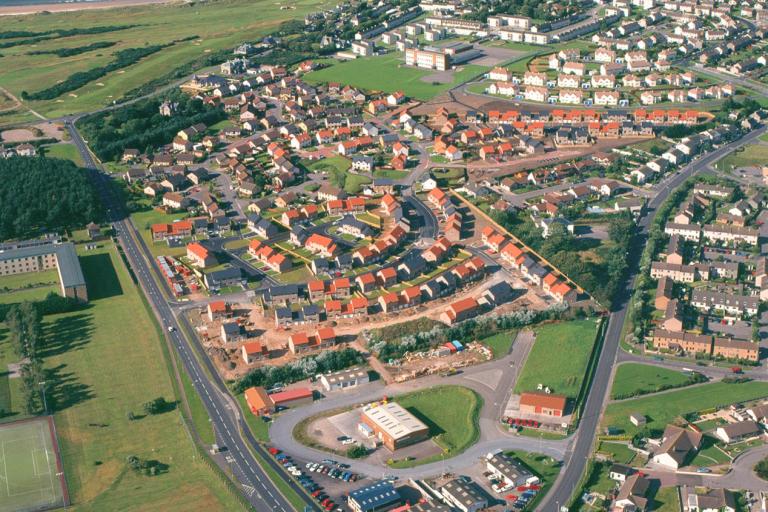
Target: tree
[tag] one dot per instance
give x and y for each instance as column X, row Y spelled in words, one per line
column 157, row 406
column 762, row 469
column 357, row 451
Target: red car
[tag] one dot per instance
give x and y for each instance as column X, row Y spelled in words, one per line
column 274, row 451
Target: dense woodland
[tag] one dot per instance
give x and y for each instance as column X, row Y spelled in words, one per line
column 44, row 194
column 140, row 125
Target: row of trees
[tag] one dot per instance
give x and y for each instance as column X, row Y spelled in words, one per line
column 473, row 329
column 324, row 362
column 24, row 323
column 36, row 37
column 74, row 50
column 123, row 58
column 44, row 194
column 141, row 126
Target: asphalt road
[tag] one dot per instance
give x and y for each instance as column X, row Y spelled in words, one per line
column 581, row 448
column 231, row 430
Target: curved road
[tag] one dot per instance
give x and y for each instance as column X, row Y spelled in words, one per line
column 231, row 430
column 576, row 458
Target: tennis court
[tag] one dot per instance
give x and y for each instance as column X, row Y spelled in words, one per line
column 31, row 476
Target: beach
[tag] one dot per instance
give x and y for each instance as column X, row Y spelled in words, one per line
column 16, row 10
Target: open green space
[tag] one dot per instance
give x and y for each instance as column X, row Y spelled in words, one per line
column 210, row 23
column 450, row 412
column 750, row 155
column 664, row 408
column 64, row 151
column 103, row 362
column 640, row 379
column 28, row 467
column 388, row 73
column 652, row 145
column 338, row 170
column 559, row 357
column 619, row 452
column 29, row 286
column 500, row 343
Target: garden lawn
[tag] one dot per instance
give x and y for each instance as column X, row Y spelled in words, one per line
column 641, row 379
column 619, row 452
column 103, row 362
column 450, row 412
column 709, row 454
column 559, row 357
column 662, row 409
column 211, row 23
column 500, row 343
column 666, row 500
column 388, row 73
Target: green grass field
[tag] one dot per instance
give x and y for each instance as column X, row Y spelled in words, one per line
column 29, row 286
column 753, row 154
column 213, row 23
column 500, row 343
column 559, row 357
column 450, row 412
column 641, row 379
column 388, row 73
column 64, row 151
column 101, row 363
column 662, row 409
column 29, row 467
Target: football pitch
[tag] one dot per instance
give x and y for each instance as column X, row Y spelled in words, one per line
column 31, row 477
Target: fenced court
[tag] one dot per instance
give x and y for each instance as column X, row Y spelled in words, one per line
column 31, row 474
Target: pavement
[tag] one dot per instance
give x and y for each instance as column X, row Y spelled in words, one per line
column 231, row 430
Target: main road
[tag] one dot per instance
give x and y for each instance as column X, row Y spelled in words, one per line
column 231, row 429
column 576, row 458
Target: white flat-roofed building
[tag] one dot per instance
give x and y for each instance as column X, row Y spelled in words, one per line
column 344, row 379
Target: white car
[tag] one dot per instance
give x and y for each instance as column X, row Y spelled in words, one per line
column 348, row 441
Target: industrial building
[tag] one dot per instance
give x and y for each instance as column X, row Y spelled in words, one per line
column 394, row 425
column 378, row 496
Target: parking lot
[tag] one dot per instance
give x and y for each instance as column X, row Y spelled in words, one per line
column 327, row 481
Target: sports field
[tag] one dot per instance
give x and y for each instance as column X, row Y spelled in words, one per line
column 388, row 73
column 31, row 477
